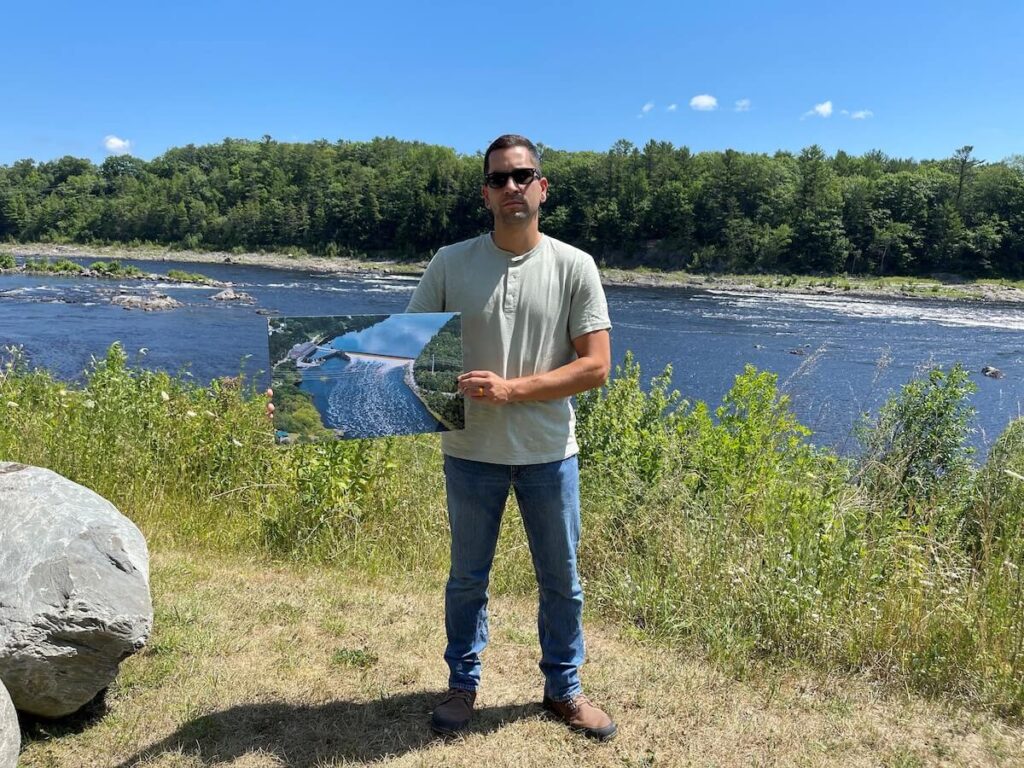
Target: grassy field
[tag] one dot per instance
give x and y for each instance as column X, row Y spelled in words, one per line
column 753, row 599
column 254, row 663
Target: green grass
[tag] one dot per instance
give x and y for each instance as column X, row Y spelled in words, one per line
column 718, row 531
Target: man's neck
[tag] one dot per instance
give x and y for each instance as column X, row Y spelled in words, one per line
column 517, row 240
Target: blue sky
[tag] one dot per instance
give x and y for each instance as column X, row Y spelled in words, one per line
column 401, row 335
column 914, row 79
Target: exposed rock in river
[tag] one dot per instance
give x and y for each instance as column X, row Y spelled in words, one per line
column 230, row 294
column 992, row 372
column 153, row 302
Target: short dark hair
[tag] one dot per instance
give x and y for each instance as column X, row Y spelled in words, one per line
column 508, row 140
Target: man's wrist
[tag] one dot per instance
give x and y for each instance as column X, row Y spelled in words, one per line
column 515, row 393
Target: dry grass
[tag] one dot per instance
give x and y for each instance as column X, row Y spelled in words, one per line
column 258, row 665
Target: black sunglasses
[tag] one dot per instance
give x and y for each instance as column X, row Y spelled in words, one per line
column 521, row 176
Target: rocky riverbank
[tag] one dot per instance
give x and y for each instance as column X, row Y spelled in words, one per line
column 948, row 287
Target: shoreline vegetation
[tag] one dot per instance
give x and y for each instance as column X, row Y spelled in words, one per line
column 41, row 263
column 717, row 531
column 947, row 287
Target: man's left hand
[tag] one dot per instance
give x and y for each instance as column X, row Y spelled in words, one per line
column 485, row 386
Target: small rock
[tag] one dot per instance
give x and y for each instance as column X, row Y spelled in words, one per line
column 992, row 372
column 10, row 731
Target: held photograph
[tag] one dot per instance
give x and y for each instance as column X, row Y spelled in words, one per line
column 361, row 376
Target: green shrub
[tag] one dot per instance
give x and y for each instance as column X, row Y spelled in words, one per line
column 187, row 277
column 625, row 432
column 7, row 261
column 115, row 269
column 916, row 456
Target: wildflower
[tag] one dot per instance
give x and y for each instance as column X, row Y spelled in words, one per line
column 164, row 396
column 63, row 393
column 89, row 403
column 190, row 414
column 235, row 443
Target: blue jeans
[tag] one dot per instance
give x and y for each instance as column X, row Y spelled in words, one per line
column 549, row 502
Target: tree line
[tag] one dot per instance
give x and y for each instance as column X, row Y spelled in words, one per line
column 659, row 205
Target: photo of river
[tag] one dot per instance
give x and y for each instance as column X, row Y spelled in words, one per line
column 835, row 356
column 360, row 376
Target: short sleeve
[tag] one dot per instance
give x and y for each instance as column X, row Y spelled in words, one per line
column 588, row 311
column 429, row 293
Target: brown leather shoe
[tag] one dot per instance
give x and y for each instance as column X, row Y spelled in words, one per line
column 582, row 716
column 454, row 712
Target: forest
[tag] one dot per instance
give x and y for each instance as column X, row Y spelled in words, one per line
column 658, row 206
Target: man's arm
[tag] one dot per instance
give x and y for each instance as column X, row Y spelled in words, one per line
column 589, row 369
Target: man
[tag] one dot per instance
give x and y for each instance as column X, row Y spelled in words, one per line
column 535, row 332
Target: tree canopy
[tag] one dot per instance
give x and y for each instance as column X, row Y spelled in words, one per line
column 659, row 205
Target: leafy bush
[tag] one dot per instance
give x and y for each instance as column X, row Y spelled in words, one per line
column 115, row 269
column 625, row 431
column 7, row 261
column 916, row 456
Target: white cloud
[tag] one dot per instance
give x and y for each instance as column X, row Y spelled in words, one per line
column 820, row 110
column 672, row 108
column 743, row 105
column 647, row 107
column 862, row 114
column 704, row 102
column 116, row 145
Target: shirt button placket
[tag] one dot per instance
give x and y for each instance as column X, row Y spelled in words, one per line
column 512, row 291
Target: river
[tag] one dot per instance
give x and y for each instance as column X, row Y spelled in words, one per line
column 835, row 356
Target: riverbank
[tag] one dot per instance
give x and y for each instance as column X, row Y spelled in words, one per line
column 948, row 287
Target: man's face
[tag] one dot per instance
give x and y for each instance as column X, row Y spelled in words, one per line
column 514, row 204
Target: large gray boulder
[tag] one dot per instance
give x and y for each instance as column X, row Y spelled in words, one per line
column 74, row 590
column 10, row 731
